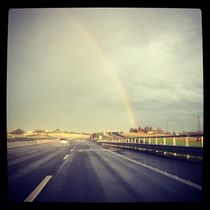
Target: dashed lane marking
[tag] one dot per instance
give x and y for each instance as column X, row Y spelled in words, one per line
column 38, row 189
column 65, row 157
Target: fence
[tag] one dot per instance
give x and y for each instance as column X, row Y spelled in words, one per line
column 158, row 140
column 190, row 148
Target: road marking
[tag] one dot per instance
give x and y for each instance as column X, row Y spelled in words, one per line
column 38, row 189
column 71, row 150
column 189, row 183
column 65, row 157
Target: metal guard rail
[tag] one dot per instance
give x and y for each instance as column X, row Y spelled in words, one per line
column 192, row 151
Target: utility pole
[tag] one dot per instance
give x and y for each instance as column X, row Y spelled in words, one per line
column 199, row 130
column 199, row 125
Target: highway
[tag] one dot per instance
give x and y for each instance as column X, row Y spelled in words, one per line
column 82, row 171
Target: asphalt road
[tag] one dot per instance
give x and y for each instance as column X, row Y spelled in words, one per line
column 82, row 171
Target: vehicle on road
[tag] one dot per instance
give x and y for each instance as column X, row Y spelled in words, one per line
column 63, row 141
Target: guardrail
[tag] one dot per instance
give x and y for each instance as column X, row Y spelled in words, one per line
column 194, row 141
column 168, row 146
column 192, row 151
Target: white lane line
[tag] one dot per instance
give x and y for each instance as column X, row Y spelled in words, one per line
column 71, row 150
column 189, row 183
column 38, row 189
column 65, row 157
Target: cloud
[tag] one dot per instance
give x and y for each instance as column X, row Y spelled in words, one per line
column 68, row 61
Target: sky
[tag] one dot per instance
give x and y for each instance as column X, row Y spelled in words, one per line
column 100, row 69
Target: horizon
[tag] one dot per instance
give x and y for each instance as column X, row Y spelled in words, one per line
column 90, row 132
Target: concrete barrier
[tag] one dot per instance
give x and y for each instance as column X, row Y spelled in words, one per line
column 20, row 144
column 44, row 141
column 11, row 144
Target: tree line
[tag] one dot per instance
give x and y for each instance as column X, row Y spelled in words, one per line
column 145, row 129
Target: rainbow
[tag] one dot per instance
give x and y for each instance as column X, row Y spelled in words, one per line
column 110, row 67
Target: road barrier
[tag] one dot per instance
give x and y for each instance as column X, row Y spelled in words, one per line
column 28, row 142
column 20, row 144
column 188, row 141
column 177, row 147
column 192, row 151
